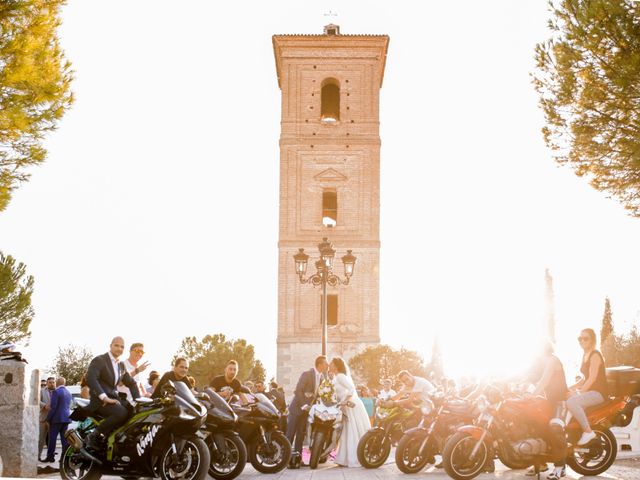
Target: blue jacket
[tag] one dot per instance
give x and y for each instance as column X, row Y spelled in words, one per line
column 60, row 406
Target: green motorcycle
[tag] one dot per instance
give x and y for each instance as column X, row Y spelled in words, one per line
column 375, row 445
column 161, row 439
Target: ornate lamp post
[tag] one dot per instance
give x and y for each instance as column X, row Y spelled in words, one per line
column 324, row 276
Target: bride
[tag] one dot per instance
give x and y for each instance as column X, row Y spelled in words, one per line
column 356, row 423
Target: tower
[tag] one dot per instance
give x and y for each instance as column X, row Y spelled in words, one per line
column 329, row 187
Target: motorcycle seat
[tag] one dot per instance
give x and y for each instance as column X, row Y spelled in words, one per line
column 458, row 406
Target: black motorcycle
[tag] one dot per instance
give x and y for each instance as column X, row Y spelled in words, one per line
column 375, row 445
column 228, row 451
column 161, row 439
column 441, row 417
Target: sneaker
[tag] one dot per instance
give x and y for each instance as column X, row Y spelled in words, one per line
column 586, row 438
column 557, row 473
column 532, row 471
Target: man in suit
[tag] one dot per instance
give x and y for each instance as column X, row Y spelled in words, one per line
column 58, row 418
column 303, row 397
column 45, row 400
column 104, row 373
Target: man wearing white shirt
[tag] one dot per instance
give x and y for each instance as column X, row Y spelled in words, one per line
column 104, row 373
column 418, row 388
column 133, row 366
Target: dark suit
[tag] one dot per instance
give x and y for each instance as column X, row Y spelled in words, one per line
column 58, row 419
column 101, row 378
column 304, row 394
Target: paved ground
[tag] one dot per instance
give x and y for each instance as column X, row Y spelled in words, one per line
column 622, row 470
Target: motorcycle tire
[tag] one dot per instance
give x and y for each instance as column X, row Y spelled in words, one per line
column 279, row 441
column 237, row 449
column 609, row 447
column 406, row 460
column 316, row 449
column 72, row 461
column 370, row 441
column 459, row 445
column 192, row 463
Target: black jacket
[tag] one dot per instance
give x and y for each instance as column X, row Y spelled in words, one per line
column 101, row 379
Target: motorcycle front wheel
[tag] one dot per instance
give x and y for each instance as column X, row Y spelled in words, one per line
column 373, row 449
column 456, row 457
column 408, row 457
column 229, row 463
column 597, row 456
column 190, row 464
column 272, row 457
column 73, row 466
column 317, row 445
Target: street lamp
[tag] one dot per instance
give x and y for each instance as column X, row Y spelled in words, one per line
column 324, row 276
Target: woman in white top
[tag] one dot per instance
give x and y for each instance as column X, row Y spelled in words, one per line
column 356, row 421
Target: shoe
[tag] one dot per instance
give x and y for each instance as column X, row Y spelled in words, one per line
column 490, row 467
column 440, row 465
column 532, row 471
column 49, row 460
column 557, row 473
column 586, row 438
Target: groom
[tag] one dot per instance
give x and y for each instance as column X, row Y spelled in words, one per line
column 303, row 397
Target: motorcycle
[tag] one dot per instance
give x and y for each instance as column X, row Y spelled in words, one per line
column 269, row 449
column 440, row 419
column 375, row 445
column 326, row 419
column 161, row 439
column 228, row 451
column 518, row 430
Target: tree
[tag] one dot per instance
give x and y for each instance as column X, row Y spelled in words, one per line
column 16, row 311
column 628, row 348
column 34, row 86
column 609, row 344
column 435, row 365
column 588, row 80
column 72, row 363
column 550, row 306
column 378, row 362
column 209, row 356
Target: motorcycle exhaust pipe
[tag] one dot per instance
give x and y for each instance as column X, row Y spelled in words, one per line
column 74, row 439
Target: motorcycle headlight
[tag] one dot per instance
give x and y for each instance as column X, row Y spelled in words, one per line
column 186, row 416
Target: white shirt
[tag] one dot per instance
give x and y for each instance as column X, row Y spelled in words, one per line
column 423, row 386
column 384, row 395
column 116, row 372
column 136, row 378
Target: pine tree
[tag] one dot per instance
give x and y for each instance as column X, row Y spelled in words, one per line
column 550, row 314
column 35, row 83
column 16, row 311
column 607, row 337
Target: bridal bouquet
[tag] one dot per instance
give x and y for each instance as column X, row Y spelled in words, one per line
column 326, row 392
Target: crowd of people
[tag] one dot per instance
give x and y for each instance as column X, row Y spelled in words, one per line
column 111, row 385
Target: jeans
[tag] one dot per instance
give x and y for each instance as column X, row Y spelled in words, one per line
column 577, row 403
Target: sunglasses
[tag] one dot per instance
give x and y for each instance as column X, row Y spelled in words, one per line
column 583, row 339
column 137, row 350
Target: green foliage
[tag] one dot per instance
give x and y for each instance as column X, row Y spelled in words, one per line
column 588, row 79
column 378, row 362
column 209, row 356
column 72, row 363
column 16, row 311
column 34, row 86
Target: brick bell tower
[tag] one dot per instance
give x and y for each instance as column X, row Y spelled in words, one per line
column 329, row 187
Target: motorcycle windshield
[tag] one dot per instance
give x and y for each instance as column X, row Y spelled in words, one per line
column 265, row 404
column 183, row 392
column 218, row 402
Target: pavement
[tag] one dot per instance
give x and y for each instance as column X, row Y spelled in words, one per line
column 628, row 469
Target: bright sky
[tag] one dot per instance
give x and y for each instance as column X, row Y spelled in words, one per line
column 156, row 215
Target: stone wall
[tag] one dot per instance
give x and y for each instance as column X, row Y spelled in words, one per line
column 19, row 410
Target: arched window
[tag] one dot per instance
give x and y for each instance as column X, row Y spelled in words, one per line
column 330, row 101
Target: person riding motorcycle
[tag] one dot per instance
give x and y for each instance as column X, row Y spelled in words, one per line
column 415, row 389
column 104, row 373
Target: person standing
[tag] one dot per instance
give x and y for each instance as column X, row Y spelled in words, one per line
column 303, row 396
column 103, row 376
column 58, row 418
column 45, row 400
column 356, row 423
column 135, row 368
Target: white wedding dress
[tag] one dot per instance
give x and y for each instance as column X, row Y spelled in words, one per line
column 356, row 421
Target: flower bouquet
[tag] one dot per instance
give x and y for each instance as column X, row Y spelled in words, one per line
column 326, row 392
